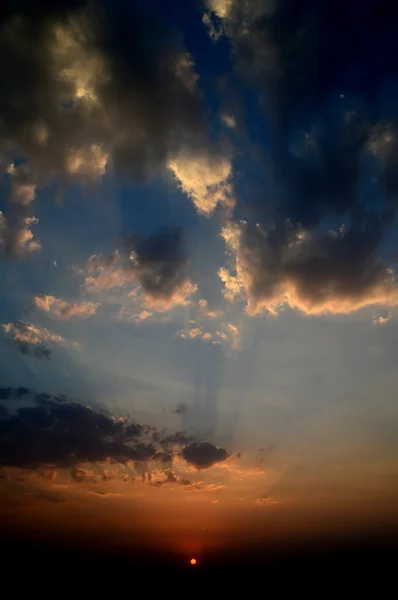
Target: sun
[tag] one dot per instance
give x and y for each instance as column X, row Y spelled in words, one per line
column 193, row 561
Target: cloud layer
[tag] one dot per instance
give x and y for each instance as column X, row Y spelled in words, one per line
column 53, row 430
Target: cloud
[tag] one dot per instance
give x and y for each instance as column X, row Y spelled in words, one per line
column 95, row 93
column 64, row 434
column 381, row 320
column 128, row 314
column 31, row 339
column 154, row 268
column 195, row 332
column 16, row 237
column 229, row 121
column 63, row 310
column 161, row 478
column 214, row 29
column 206, row 179
column 9, row 392
column 220, row 7
column 329, row 154
column 204, row 455
column 335, row 272
column 204, row 311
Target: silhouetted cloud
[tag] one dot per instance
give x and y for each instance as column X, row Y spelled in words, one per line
column 54, row 431
column 204, row 455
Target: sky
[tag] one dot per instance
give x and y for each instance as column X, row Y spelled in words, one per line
column 198, row 300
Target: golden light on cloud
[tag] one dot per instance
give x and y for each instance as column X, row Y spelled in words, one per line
column 269, row 283
column 205, row 179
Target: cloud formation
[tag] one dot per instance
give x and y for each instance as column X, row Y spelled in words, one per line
column 16, row 237
column 54, row 431
column 327, row 81
column 63, row 310
column 104, row 89
column 31, row 339
column 204, row 455
column 153, row 269
column 335, row 272
column 206, row 179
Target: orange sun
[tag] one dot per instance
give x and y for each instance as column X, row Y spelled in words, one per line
column 193, row 561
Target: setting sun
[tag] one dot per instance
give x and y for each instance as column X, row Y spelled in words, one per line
column 193, row 561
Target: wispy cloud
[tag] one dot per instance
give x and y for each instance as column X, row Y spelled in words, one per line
column 31, row 339
column 63, row 310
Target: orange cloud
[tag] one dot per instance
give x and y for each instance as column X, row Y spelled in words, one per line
column 61, row 309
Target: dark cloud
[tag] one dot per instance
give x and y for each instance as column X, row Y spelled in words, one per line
column 154, row 266
column 6, row 393
column 158, row 262
column 204, row 455
column 164, row 457
column 103, row 84
column 176, row 438
column 327, row 73
column 60, row 433
column 337, row 272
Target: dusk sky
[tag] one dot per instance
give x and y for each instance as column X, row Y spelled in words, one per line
column 198, row 299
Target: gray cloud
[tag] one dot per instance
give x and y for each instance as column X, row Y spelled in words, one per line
column 54, row 431
column 336, row 272
column 204, row 455
column 328, row 81
column 103, row 87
